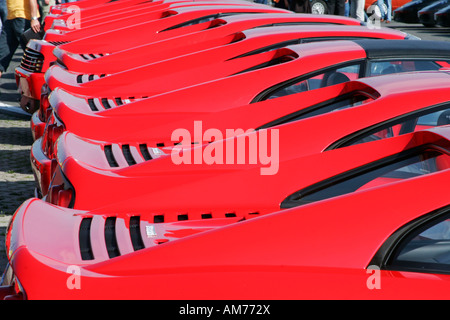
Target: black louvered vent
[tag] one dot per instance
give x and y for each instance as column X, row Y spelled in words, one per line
column 85, row 239
column 144, row 151
column 127, row 154
column 110, row 156
column 92, row 105
column 110, row 237
column 58, row 43
column 135, row 233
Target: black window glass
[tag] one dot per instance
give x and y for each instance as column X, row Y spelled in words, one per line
column 425, row 119
column 398, row 66
column 426, row 249
column 399, row 167
column 344, row 102
column 321, row 80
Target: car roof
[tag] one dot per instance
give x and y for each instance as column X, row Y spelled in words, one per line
column 415, row 49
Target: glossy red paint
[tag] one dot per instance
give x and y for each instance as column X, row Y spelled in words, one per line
column 84, row 166
column 210, row 56
column 104, row 37
column 304, row 247
column 172, row 65
column 404, row 91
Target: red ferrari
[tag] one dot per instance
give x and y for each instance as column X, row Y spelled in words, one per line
column 282, row 67
column 104, row 39
column 354, row 219
column 88, row 174
column 165, row 113
column 228, row 55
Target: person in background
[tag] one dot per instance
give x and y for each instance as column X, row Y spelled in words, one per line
column 262, row 1
column 301, row 6
column 385, row 16
column 336, row 7
column 22, row 15
column 3, row 13
column 283, row 4
column 44, row 8
column 357, row 9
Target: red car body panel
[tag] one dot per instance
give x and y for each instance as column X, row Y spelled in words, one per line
column 38, row 54
column 218, row 27
column 75, row 113
column 157, row 16
column 218, row 46
column 85, row 164
column 209, row 61
column 239, row 255
column 113, row 11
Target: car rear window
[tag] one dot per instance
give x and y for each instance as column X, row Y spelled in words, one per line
column 405, row 165
column 424, row 118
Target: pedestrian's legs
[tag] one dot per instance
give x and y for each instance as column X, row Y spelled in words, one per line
column 381, row 7
column 360, row 10
column 10, row 39
column 389, row 10
column 331, row 6
column 340, row 7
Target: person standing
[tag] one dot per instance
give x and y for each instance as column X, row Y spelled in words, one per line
column 386, row 13
column 3, row 13
column 336, row 7
column 22, row 15
column 301, row 6
column 44, row 8
column 357, row 9
column 283, row 4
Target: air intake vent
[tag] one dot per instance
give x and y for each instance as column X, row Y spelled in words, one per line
column 32, row 60
column 135, row 233
column 83, row 78
column 110, row 237
column 110, row 156
column 127, row 154
column 85, row 239
column 58, row 43
column 91, row 56
column 144, row 151
column 100, row 104
column 121, row 155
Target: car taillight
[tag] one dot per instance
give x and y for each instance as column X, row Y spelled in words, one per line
column 45, row 109
column 53, row 130
column 60, row 192
column 59, row 196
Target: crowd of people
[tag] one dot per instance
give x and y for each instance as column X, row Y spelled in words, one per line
column 351, row 8
column 17, row 16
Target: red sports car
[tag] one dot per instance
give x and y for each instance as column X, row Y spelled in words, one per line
column 89, row 174
column 207, row 59
column 38, row 54
column 165, row 113
column 282, row 67
column 356, row 221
